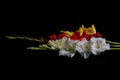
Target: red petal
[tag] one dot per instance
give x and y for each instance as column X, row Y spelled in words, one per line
column 53, row 37
column 97, row 35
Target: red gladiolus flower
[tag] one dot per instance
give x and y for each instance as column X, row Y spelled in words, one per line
column 53, row 37
column 61, row 35
column 76, row 34
column 88, row 37
column 74, row 38
column 80, row 38
column 97, row 35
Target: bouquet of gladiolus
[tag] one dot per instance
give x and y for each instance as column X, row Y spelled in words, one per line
column 84, row 41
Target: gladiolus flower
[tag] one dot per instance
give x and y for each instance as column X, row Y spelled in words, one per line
column 98, row 45
column 85, row 41
column 81, row 30
column 61, row 35
column 68, row 33
column 53, row 37
column 83, row 47
column 91, row 30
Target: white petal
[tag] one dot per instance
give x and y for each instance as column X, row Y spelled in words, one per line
column 83, row 47
column 85, row 54
column 66, row 53
column 98, row 45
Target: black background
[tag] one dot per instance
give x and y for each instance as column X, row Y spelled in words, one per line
column 35, row 21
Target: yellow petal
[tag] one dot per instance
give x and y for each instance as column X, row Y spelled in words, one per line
column 68, row 33
column 91, row 30
column 81, row 30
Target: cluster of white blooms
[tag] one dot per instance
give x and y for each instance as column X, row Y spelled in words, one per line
column 68, row 47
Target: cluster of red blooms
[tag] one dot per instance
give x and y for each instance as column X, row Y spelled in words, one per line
column 75, row 36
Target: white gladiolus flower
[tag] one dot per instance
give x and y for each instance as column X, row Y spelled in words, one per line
column 83, row 47
column 57, row 44
column 66, row 53
column 65, row 45
column 68, row 47
column 98, row 45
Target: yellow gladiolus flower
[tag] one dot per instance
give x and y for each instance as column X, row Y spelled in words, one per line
column 68, row 33
column 94, row 30
column 91, row 30
column 81, row 30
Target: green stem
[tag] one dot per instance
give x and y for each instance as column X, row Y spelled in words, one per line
column 115, row 45
column 38, row 48
column 114, row 48
column 26, row 38
column 112, row 42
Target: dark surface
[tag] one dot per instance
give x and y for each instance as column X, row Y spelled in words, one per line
column 37, row 22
